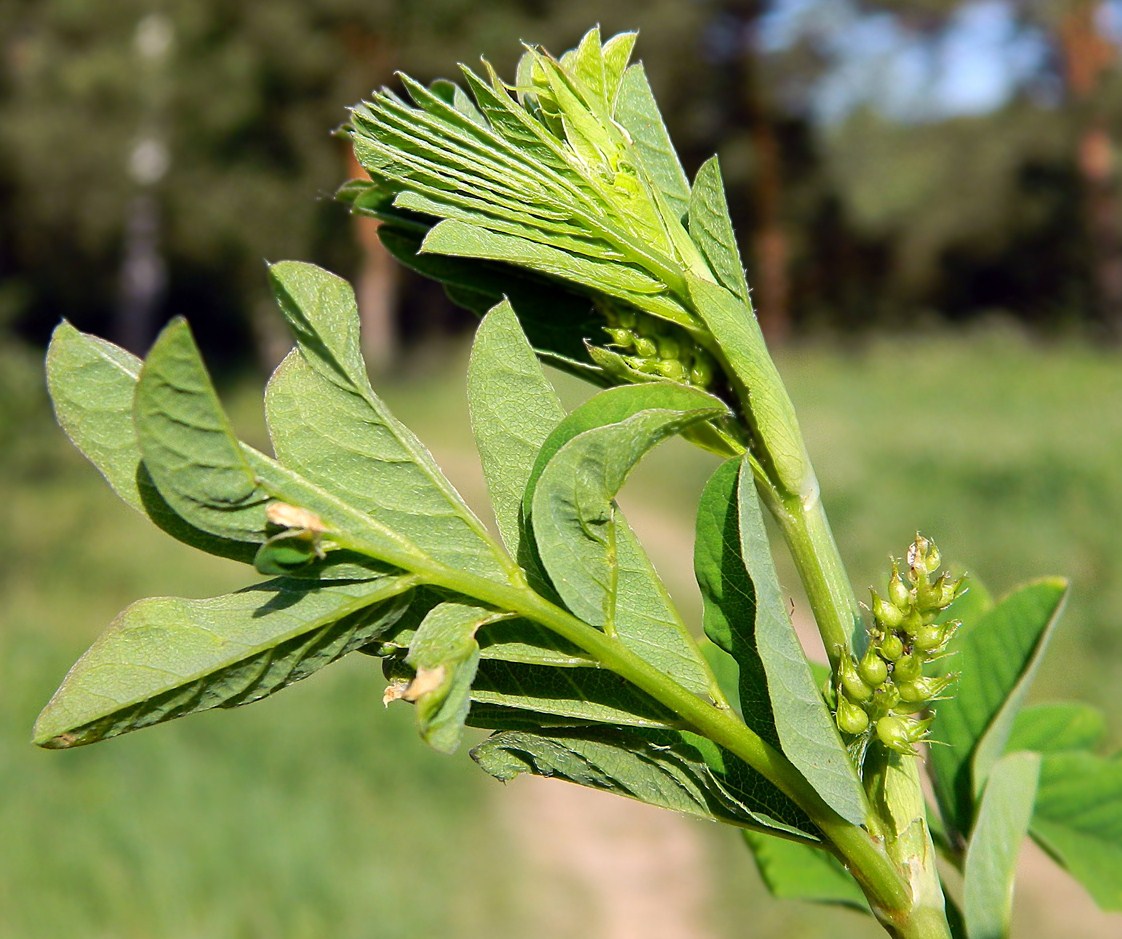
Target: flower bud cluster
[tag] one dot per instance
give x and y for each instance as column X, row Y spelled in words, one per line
column 655, row 348
column 885, row 694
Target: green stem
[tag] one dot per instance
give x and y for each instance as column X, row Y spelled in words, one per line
column 865, row 858
column 893, row 787
column 832, row 600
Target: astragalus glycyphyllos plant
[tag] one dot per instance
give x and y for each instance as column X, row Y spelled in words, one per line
column 557, row 208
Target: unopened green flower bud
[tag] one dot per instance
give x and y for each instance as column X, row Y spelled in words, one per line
column 852, row 683
column 851, row 718
column 891, row 647
column 872, row 669
column 908, row 668
column 621, row 338
column 886, row 613
column 901, row 733
column 912, row 622
column 924, row 689
column 625, row 317
column 669, row 347
column 702, row 370
column 898, row 593
column 923, row 558
column 885, row 699
column 948, row 590
column 927, row 597
column 645, row 347
column 910, row 692
column 929, row 638
column 671, row 369
column 949, row 629
column 640, row 365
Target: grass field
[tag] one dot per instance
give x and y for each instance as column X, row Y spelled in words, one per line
column 318, row 814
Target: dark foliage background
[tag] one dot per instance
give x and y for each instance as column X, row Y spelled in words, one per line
column 888, row 163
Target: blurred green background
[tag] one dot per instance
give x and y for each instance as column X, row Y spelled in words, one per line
column 926, row 192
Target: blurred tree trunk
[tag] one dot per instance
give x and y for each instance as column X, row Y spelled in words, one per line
column 375, row 290
column 746, row 106
column 1087, row 57
column 376, row 283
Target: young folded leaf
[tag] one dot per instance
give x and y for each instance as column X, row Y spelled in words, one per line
column 444, row 656
column 637, row 112
column 746, row 615
column 593, row 559
column 576, row 180
column 555, row 320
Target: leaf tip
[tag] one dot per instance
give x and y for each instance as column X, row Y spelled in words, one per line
column 49, row 735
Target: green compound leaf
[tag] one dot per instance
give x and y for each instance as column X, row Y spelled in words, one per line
column 92, row 384
column 327, row 424
column 793, row 871
column 745, row 614
column 513, row 410
column 551, row 181
column 592, row 557
column 444, row 656
column 188, row 446
column 711, row 229
column 991, row 854
column 997, row 660
column 1055, row 728
column 164, row 657
column 670, row 769
column 1078, row 821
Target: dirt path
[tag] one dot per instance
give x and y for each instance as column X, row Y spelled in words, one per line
column 608, row 867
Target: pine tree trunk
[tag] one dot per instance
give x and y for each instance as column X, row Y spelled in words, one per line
column 1087, row 57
